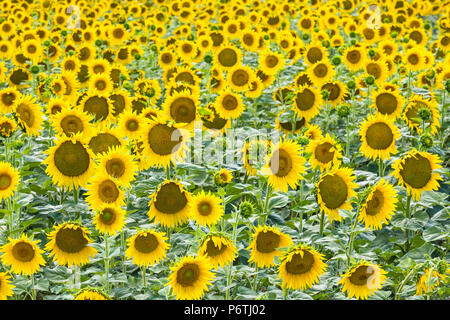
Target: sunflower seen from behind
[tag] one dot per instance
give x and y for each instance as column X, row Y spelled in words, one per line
column 147, row 247
column 415, row 171
column 206, row 209
column 169, row 205
column 301, row 267
column 266, row 244
column 191, row 277
column 69, row 244
column 22, row 255
column 219, row 249
column 362, row 280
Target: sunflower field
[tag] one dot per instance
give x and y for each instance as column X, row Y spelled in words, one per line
column 224, row 149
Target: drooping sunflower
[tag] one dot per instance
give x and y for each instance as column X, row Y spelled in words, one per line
column 300, row 268
column 22, row 255
column 69, row 162
column 379, row 206
column 213, row 121
column 169, row 205
column 163, row 144
column 70, row 122
column 190, row 277
column 109, row 219
column 362, row 280
column 287, row 126
column 376, row 68
column 321, row 72
column 229, row 105
column 147, row 247
column 307, row 102
column 266, row 244
column 219, row 249
column 103, row 190
column 334, row 189
column 98, row 105
column 29, row 114
column 284, row 166
column 91, row 294
column 223, row 177
column 378, row 135
column 118, row 164
column 5, row 286
column 388, row 102
column 414, row 171
column 325, row 153
column 411, row 116
column 69, row 244
column 206, row 209
column 423, row 285
column 9, row 180
column 181, row 107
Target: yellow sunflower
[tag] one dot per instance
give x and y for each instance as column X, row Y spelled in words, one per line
column 22, row 255
column 9, row 180
column 266, row 244
column 181, row 108
column 147, row 247
column 301, row 267
column 379, row 206
column 270, row 62
column 219, row 249
column 8, row 97
column 284, row 166
column 7, row 127
column 206, row 209
column 411, row 114
column 325, row 153
column 229, row 105
column 29, row 114
column 169, row 205
column 104, row 140
column 91, row 294
column 103, row 190
column 240, row 77
column 423, row 283
column 190, row 277
column 69, row 245
column 109, row 219
column 334, row 189
column 414, row 171
column 378, row 135
column 313, row 132
column 118, row 164
column 363, row 280
column 70, row 122
column 321, row 72
column 388, row 102
column 307, row 102
column 227, row 56
column 5, row 286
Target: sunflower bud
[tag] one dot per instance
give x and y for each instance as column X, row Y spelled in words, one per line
column 64, row 33
column 208, row 58
column 405, row 40
column 34, row 69
column 325, row 94
column 351, row 84
column 46, row 43
column 326, row 43
column 442, row 267
column 122, row 77
column 370, row 80
column 372, row 53
column 150, row 92
column 283, row 25
column 127, row 85
column 137, row 56
column 98, row 42
column 305, row 37
column 424, row 113
column 154, row 48
column 427, row 25
column 152, row 27
column 343, row 111
column 127, row 26
column 336, row 60
column 266, row 37
column 352, row 34
column 246, row 208
column 394, row 34
column 353, row 42
column 426, row 141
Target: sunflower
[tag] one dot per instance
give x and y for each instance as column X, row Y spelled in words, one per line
column 9, row 180
column 249, row 40
column 219, row 249
column 71, row 64
column 32, row 49
column 121, row 102
column 227, row 56
column 190, row 277
column 163, row 144
column 300, row 268
column 147, row 247
column 213, row 121
column 423, row 282
column 415, row 172
column 118, row 164
column 104, row 140
column 181, row 107
column 98, row 105
column 169, row 205
column 270, row 62
column 321, row 72
column 284, row 166
column 91, row 294
column 266, row 244
column 362, row 280
column 223, row 177
column 307, row 102
column 206, row 209
column 22, row 255
column 240, row 77
column 313, row 132
column 7, row 127
column 388, row 102
column 99, row 66
column 69, row 245
column 117, row 35
column 101, row 84
column 325, row 153
column 334, row 189
column 411, row 116
column 229, row 105
column 19, row 78
column 314, row 52
column 8, row 97
column 104, row 190
column 379, row 206
column 186, row 50
column 337, row 91
column 5, row 286
column 109, row 219
column 378, row 69
column 29, row 114
column 286, row 126
column 70, row 122
column 378, row 135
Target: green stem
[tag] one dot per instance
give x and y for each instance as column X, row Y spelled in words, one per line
column 255, row 278
column 399, row 290
column 144, row 275
column 347, row 145
column 352, row 239
column 266, row 203
column 408, row 215
column 106, row 263
column 322, row 218
column 285, row 293
column 75, row 194
column 380, row 167
column 33, row 289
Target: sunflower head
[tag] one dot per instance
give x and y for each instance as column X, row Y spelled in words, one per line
column 147, row 247
column 219, row 249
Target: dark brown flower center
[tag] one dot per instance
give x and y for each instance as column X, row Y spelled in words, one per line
column 360, row 277
column 281, row 163
column 323, row 154
column 379, row 136
column 267, row 241
column 164, row 140
column 188, row 274
column 146, row 243
column 71, row 159
column 333, row 191
column 70, row 240
column 386, row 103
column 23, row 251
column 170, row 199
column 299, row 264
column 305, row 99
column 375, row 204
column 416, row 171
